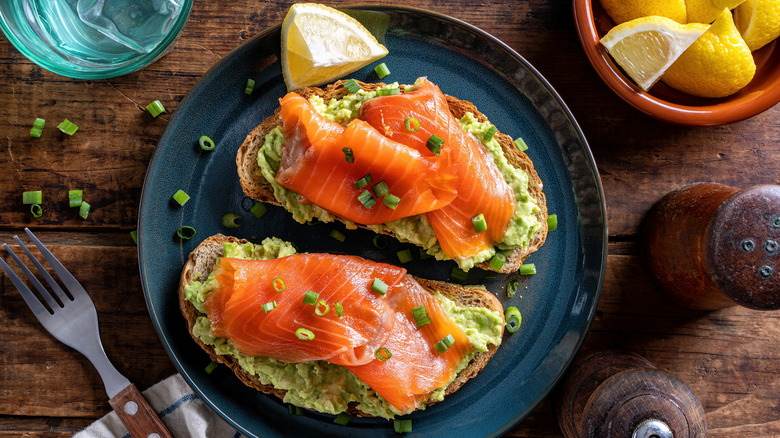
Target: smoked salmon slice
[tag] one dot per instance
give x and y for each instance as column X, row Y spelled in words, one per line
column 376, row 338
column 315, row 166
column 481, row 187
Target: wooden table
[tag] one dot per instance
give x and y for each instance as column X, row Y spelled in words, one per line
column 729, row 357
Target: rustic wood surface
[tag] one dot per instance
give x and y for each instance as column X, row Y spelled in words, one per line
column 729, row 357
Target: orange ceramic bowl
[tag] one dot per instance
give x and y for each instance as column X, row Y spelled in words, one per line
column 665, row 103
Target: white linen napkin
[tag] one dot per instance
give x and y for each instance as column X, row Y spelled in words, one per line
column 180, row 409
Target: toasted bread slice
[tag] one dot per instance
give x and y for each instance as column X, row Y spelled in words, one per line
column 257, row 187
column 204, row 257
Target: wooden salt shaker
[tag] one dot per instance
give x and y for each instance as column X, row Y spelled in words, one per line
column 622, row 395
column 711, row 246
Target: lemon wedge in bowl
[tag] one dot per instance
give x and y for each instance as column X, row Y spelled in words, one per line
column 645, row 47
column 321, row 44
column 758, row 21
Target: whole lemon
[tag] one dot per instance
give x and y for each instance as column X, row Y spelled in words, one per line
column 706, row 11
column 626, row 10
column 758, row 21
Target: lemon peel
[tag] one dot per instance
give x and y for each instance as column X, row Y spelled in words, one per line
column 622, row 11
column 758, row 21
column 706, row 11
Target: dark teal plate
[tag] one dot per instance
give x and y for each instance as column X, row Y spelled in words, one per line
column 557, row 303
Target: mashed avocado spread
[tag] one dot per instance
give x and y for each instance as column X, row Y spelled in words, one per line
column 415, row 229
column 319, row 385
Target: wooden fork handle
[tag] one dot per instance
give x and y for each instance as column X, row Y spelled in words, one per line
column 137, row 415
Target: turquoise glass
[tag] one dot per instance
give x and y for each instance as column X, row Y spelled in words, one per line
column 93, row 39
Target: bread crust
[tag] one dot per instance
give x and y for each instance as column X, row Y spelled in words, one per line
column 204, row 257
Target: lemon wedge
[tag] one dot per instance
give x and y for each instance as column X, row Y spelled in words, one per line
column 717, row 65
column 706, row 11
column 645, row 47
column 621, row 11
column 758, row 21
column 321, row 44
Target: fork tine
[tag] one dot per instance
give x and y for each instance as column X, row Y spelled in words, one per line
column 74, row 287
column 44, row 273
column 31, row 300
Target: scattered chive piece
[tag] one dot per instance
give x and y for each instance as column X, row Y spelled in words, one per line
column 383, row 354
column 388, row 91
column 181, row 197
column 36, row 210
column 304, row 334
column 339, row 309
column 211, row 367
column 342, row 419
column 258, row 210
column 67, row 127
column 206, row 143
column 434, row 144
column 421, row 317
column 511, row 288
column 404, row 256
column 380, row 241
column 33, row 197
column 382, row 70
column 278, row 284
column 402, row 426
column 250, row 85
column 310, row 297
column 379, row 286
column 230, row 220
column 321, row 308
column 294, row 410
column 352, row 86
column 458, row 274
column 520, row 144
column 35, row 132
column 155, row 108
column 338, row 235
column 488, row 135
column 479, row 223
column 391, row 201
column 513, row 319
column 37, row 128
column 528, row 269
column 84, row 209
column 134, row 235
column 186, row 232
column 411, row 124
column 362, row 182
column 267, row 307
column 497, row 262
column 348, row 155
column 552, row 222
column 444, row 344
column 75, row 198
column 380, row 189
column 366, row 199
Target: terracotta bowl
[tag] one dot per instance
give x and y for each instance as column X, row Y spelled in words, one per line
column 665, row 103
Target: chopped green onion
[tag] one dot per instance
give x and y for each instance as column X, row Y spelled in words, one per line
column 267, row 307
column 520, row 144
column 67, row 127
column 338, row 235
column 181, row 197
column 134, row 235
column 488, row 135
column 380, row 189
column 206, row 143
column 33, row 197
column 458, row 274
column 278, row 284
column 402, row 426
column 366, row 199
column 321, row 308
column 211, row 367
column 444, row 344
column 304, row 334
column 348, row 155
column 391, row 201
column 388, row 91
column 75, row 198
column 404, row 256
column 186, row 232
column 479, row 223
column 36, row 210
column 37, row 128
column 434, row 144
column 310, row 297
column 380, row 241
column 294, row 410
column 362, row 182
column 258, row 210
column 421, row 317
column 250, row 85
column 342, row 419
column 35, row 132
column 513, row 319
column 497, row 262
column 229, row 220
column 84, row 209
column 511, row 288
column 528, row 269
column 411, row 124
column 155, row 108
column 352, row 86
column 379, row 286
column 339, row 309
column 383, row 354
column 382, row 70
column 552, row 222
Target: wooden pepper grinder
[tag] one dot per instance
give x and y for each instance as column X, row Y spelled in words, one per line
column 711, row 246
column 622, row 395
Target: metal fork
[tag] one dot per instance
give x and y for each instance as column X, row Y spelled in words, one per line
column 72, row 319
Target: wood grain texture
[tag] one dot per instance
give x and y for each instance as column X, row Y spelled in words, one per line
column 729, row 357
